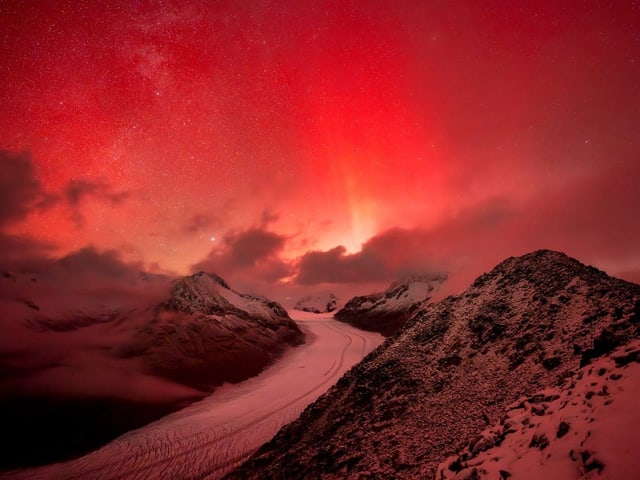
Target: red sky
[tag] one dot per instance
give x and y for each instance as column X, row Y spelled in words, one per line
column 419, row 136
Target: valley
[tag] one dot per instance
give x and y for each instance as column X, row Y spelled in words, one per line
column 209, row 438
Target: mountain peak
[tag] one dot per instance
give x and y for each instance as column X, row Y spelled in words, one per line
column 454, row 366
column 387, row 311
column 212, row 276
column 541, row 266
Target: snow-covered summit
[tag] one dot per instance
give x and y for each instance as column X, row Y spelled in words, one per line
column 387, row 311
column 209, row 294
column 323, row 303
column 206, row 333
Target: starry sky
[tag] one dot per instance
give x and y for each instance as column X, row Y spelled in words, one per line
column 319, row 143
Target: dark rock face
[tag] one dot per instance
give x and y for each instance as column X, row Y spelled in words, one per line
column 205, row 334
column 317, row 303
column 388, row 311
column 427, row 391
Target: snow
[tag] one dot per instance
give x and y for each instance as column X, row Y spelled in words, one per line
column 209, row 438
column 321, row 303
column 598, row 408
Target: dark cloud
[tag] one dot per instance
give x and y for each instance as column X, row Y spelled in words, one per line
column 589, row 215
column 268, row 216
column 109, row 264
column 20, row 194
column 78, row 191
column 20, row 189
column 247, row 248
column 336, row 266
column 254, row 251
column 397, row 252
column 20, row 253
column 199, row 223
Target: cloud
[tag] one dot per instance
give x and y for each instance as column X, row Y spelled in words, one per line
column 247, row 248
column 23, row 253
column 198, row 223
column 268, row 216
column 589, row 215
column 78, row 191
column 89, row 261
column 20, row 189
column 254, row 251
column 336, row 266
column 20, row 194
column 397, row 252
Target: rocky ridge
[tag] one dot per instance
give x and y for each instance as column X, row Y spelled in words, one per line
column 424, row 394
column 388, row 311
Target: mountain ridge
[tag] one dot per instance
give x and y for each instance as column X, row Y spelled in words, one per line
column 386, row 312
column 455, row 365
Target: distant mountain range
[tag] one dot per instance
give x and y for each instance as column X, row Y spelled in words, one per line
column 515, row 377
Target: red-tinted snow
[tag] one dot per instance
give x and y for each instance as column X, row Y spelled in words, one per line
column 600, row 417
column 207, row 439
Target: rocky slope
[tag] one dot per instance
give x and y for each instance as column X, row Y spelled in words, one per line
column 206, row 333
column 83, row 362
column 317, row 303
column 388, row 311
column 585, row 428
column 452, row 370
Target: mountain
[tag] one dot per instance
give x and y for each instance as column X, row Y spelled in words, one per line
column 453, row 369
column 317, row 303
column 206, row 333
column 82, row 362
column 387, row 311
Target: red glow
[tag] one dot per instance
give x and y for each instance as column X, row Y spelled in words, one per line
column 327, row 123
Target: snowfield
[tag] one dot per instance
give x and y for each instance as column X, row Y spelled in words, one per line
column 209, row 438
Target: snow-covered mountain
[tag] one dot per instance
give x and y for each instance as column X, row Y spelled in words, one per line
column 206, row 333
column 324, row 303
column 86, row 358
column 430, row 391
column 387, row 311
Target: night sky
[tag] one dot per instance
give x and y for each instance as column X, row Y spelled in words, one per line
column 318, row 144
